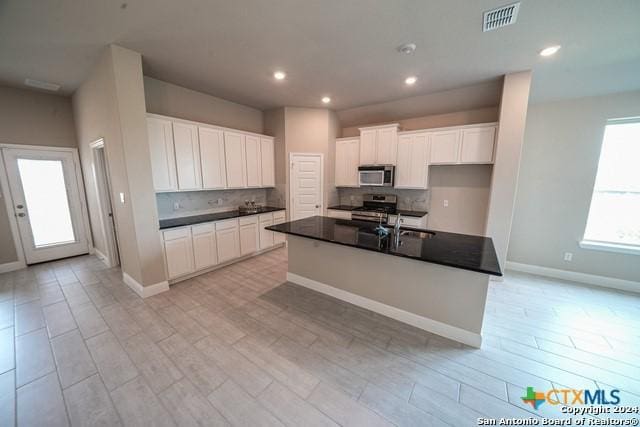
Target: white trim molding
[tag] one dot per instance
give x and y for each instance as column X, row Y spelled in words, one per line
column 574, row 276
column 610, row 247
column 145, row 291
column 424, row 323
column 12, row 266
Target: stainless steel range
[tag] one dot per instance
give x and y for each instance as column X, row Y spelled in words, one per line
column 376, row 208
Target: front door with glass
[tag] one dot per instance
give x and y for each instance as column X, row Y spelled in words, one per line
column 46, row 202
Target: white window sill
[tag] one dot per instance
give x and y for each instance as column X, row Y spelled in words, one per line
column 610, row 247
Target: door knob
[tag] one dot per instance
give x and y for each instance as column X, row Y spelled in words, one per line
column 19, row 206
column 317, row 206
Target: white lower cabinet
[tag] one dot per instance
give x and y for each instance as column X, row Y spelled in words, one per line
column 278, row 218
column 266, row 236
column 205, row 251
column 178, row 251
column 202, row 246
column 249, row 235
column 228, row 240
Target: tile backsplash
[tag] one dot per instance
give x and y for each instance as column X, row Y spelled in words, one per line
column 198, row 202
column 417, row 200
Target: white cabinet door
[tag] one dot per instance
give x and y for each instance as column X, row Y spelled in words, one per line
column 214, row 171
column 204, row 246
column 266, row 236
column 386, row 146
column 403, row 167
column 227, row 240
column 235, row 160
column 347, row 158
column 445, row 147
column 267, row 155
column 252, row 156
column 368, row 147
column 477, row 145
column 249, row 238
column 413, row 161
column 185, row 138
column 278, row 218
column 178, row 252
column 163, row 161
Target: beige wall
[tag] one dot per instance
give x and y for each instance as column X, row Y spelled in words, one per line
column 110, row 105
column 312, row 130
column 466, row 188
column 274, row 126
column 31, row 118
column 559, row 163
column 458, row 118
column 506, row 166
column 176, row 101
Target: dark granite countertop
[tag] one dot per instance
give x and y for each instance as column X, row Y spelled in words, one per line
column 475, row 253
column 404, row 212
column 197, row 219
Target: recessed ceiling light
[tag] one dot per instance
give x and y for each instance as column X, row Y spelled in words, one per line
column 407, row 48
column 279, row 75
column 548, row 51
column 42, row 85
column 411, row 80
column 326, row 100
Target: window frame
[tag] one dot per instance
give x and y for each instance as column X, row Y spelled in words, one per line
column 600, row 245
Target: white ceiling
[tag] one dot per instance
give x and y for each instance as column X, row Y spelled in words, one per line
column 341, row 48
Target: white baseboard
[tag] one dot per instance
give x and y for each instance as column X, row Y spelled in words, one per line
column 590, row 279
column 102, row 257
column 145, row 291
column 12, row 266
column 424, row 323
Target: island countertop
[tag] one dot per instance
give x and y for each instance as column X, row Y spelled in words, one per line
column 474, row 253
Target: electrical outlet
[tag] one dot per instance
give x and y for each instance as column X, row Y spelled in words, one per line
column 568, row 256
column 219, row 201
column 176, row 206
column 446, row 203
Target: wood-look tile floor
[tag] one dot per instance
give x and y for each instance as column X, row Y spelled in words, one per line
column 239, row 346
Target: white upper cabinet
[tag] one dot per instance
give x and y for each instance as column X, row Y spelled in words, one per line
column 477, row 145
column 413, row 161
column 378, row 145
column 387, row 145
column 267, row 156
column 347, row 161
column 163, row 161
column 235, row 160
column 368, row 147
column 445, row 146
column 253, row 159
column 212, row 157
column 185, row 139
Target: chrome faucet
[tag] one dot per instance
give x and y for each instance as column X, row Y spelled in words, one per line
column 396, row 231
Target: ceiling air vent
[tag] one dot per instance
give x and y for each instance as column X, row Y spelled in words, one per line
column 500, row 17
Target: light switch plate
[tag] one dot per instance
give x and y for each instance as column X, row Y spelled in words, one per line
column 122, row 198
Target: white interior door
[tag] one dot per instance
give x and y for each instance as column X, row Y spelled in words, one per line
column 46, row 201
column 306, row 185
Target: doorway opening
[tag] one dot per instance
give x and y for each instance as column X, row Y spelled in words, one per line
column 107, row 248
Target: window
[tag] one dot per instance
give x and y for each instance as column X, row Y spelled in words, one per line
column 614, row 215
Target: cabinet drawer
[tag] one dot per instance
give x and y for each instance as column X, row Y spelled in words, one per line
column 176, row 233
column 253, row 219
column 202, row 228
column 279, row 216
column 226, row 224
column 340, row 214
column 266, row 217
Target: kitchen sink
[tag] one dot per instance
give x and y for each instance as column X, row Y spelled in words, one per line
column 416, row 234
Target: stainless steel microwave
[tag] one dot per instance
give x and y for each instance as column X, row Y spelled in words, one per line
column 376, row 176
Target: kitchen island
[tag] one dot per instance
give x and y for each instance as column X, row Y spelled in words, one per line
column 436, row 281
